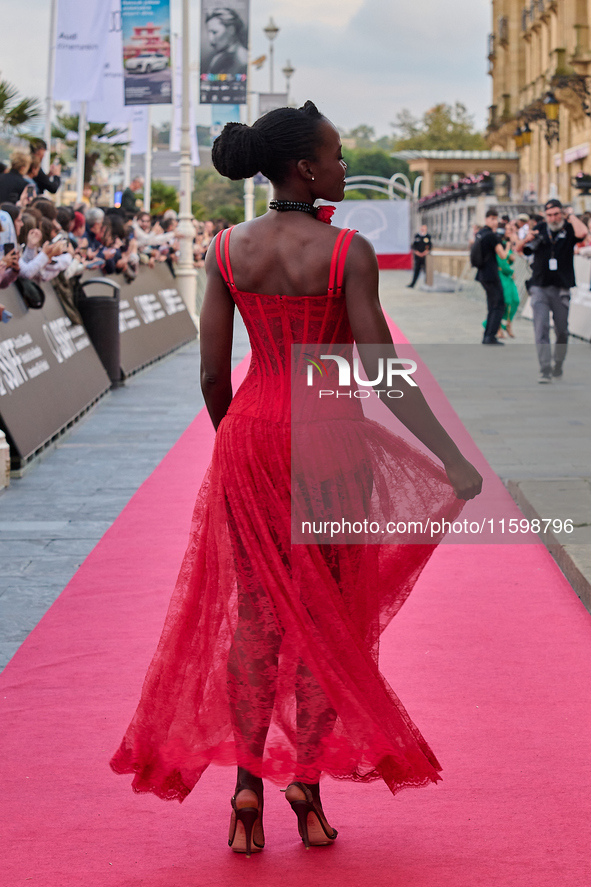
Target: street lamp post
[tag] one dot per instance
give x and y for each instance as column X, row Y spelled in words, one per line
column 271, row 30
column 185, row 273
column 288, row 73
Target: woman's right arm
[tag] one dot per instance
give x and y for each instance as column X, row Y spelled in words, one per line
column 216, row 327
column 370, row 328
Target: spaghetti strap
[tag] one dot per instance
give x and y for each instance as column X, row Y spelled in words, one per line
column 343, row 258
column 334, row 261
column 225, row 266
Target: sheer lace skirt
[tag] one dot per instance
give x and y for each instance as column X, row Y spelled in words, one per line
column 269, row 653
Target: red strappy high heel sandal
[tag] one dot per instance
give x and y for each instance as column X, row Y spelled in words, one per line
column 312, row 823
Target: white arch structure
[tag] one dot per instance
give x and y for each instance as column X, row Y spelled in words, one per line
column 396, row 183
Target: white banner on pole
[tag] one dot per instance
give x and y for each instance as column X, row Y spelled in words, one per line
column 384, row 222
column 175, row 135
column 111, row 108
column 81, row 47
column 139, row 129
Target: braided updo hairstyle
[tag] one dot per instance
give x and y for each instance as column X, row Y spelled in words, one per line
column 271, row 145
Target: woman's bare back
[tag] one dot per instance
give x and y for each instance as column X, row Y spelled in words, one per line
column 286, row 254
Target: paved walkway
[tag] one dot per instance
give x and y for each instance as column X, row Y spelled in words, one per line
column 537, row 438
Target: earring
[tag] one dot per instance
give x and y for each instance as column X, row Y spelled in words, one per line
column 312, row 178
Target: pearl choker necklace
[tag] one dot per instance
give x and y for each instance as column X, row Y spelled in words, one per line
column 287, row 205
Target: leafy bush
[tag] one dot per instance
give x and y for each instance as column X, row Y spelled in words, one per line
column 217, row 196
column 163, row 197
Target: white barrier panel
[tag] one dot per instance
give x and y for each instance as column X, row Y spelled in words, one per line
column 385, row 223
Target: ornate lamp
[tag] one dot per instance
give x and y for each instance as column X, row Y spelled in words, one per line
column 288, row 71
column 551, row 106
column 518, row 136
column 526, row 135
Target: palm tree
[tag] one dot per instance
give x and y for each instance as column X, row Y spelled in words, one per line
column 99, row 143
column 14, row 111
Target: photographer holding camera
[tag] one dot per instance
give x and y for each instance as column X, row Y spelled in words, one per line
column 552, row 245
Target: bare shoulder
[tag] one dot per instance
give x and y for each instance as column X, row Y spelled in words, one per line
column 211, row 263
column 361, row 255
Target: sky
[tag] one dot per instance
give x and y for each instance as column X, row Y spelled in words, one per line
column 360, row 61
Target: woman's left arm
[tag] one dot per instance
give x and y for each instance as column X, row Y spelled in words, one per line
column 216, row 328
column 502, row 251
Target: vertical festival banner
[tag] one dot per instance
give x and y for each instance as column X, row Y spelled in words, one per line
column 139, row 129
column 146, row 52
column 111, row 109
column 80, row 49
column 224, row 52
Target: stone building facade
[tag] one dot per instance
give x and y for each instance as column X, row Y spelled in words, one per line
column 540, row 62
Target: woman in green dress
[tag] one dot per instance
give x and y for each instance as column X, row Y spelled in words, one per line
column 505, row 261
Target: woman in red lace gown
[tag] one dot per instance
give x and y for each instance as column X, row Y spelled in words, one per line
column 269, row 655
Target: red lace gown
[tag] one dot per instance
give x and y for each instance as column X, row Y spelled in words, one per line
column 269, row 653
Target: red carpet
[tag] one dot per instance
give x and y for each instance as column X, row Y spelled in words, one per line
column 491, row 655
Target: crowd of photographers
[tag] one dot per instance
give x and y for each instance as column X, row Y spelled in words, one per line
column 41, row 240
column 549, row 243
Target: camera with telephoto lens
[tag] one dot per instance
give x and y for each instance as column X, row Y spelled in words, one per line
column 534, row 244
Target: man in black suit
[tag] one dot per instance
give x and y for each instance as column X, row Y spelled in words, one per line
column 43, row 181
column 421, row 247
column 488, row 275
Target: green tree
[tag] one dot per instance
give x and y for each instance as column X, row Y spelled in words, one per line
column 216, row 197
column 163, row 197
column 444, row 127
column 371, row 162
column 99, row 143
column 364, row 136
column 14, row 111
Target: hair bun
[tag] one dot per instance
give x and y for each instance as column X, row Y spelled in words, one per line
column 310, row 109
column 240, row 151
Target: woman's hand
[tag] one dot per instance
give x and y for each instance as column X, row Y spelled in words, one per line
column 52, row 250
column 464, row 478
column 11, row 261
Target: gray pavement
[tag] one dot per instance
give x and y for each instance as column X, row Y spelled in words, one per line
column 537, row 438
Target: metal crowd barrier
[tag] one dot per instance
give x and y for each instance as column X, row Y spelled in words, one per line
column 50, row 372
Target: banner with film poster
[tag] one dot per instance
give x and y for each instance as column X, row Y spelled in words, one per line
column 224, row 52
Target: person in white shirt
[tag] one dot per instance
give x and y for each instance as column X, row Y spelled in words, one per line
column 522, row 222
column 45, row 263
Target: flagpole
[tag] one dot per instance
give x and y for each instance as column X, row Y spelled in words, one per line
column 46, row 162
column 186, row 276
column 81, row 153
column 148, row 165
